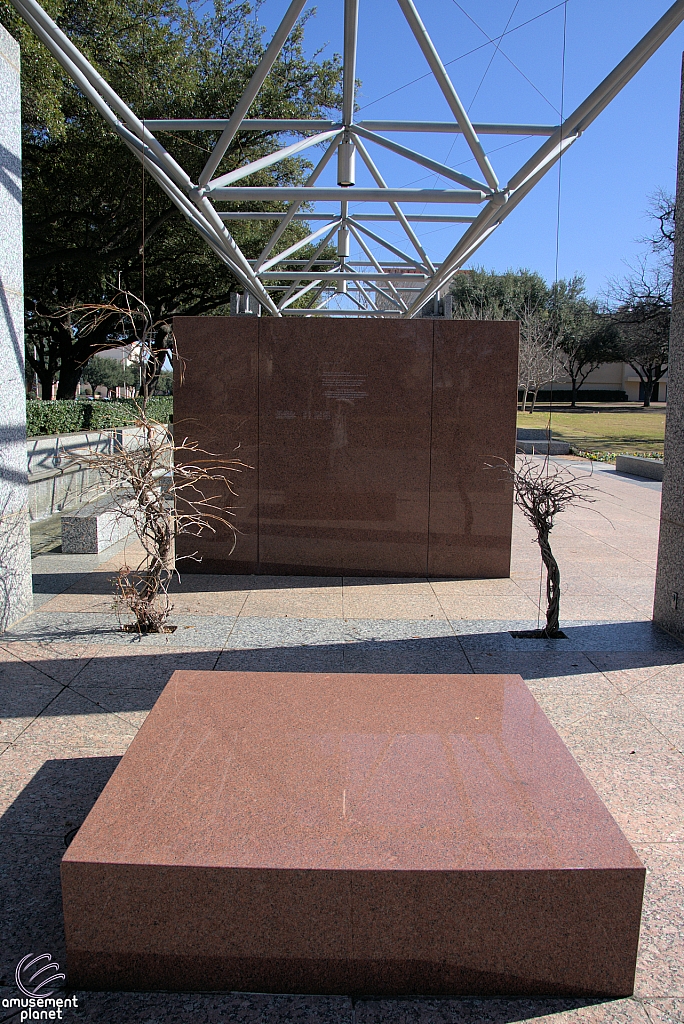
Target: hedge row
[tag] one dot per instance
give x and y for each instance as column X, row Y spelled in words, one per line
column 69, row 417
column 559, row 395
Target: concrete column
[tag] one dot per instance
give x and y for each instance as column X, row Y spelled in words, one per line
column 668, row 608
column 16, row 597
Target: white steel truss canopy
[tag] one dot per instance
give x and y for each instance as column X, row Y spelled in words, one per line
column 396, row 288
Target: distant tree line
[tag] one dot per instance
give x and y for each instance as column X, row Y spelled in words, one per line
column 564, row 334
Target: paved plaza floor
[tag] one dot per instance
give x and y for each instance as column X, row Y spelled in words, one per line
column 75, row 689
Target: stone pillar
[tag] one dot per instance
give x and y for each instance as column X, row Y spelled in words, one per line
column 16, row 597
column 668, row 608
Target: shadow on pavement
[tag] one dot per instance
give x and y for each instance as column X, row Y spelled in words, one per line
column 33, row 831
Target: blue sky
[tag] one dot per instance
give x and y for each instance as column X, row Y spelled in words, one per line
column 606, row 177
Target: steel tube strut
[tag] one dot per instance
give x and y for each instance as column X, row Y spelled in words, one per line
column 599, row 99
column 351, row 27
column 421, row 218
column 419, row 158
column 272, row 158
column 291, row 214
column 250, row 93
column 450, row 94
column 205, row 124
column 396, row 209
column 168, row 174
column 302, row 194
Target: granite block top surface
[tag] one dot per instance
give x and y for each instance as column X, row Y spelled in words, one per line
column 345, row 771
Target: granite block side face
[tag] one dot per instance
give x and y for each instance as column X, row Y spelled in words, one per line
column 15, row 545
column 351, row 834
column 634, row 465
column 89, row 534
column 473, row 429
column 216, row 384
column 370, row 439
column 668, row 611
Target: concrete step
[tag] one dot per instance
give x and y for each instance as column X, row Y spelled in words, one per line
column 636, row 465
column 542, row 447
column 94, row 527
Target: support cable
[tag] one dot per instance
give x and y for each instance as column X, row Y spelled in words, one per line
column 555, row 286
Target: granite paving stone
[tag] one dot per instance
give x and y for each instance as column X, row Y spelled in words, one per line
column 128, row 680
column 470, row 607
column 289, row 658
column 31, row 898
column 615, row 725
column 315, row 602
column 61, row 661
column 385, row 599
column 57, row 797
column 660, row 968
column 24, row 693
column 627, row 669
column 544, row 668
column 567, row 710
column 665, row 1011
column 395, row 629
column 94, row 629
column 610, row 608
column 429, row 654
column 210, row 1008
column 70, row 727
column 499, row 1011
column 643, row 791
column 507, row 587
column 258, row 631
column 660, row 699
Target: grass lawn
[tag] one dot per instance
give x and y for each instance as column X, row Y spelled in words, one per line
column 612, row 430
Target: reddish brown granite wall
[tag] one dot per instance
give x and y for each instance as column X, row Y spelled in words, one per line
column 369, row 442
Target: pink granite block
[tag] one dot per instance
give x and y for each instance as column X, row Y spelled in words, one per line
column 338, row 833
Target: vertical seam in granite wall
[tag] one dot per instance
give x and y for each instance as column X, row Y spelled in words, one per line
column 432, row 409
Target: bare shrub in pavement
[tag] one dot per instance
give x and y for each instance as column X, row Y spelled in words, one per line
column 542, row 490
column 163, row 486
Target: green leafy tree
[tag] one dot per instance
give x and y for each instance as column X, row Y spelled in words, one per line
column 585, row 337
column 481, row 294
column 563, row 334
column 90, row 213
column 109, row 373
column 165, row 383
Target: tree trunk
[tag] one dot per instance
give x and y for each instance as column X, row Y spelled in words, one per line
column 573, row 398
column 648, row 391
column 69, row 377
column 552, row 585
column 524, row 401
column 534, row 400
column 47, row 381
